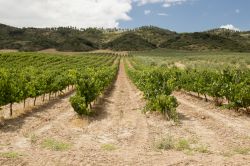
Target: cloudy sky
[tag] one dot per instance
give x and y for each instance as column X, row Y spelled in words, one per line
column 177, row 15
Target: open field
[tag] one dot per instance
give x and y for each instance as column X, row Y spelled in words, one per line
column 192, row 59
column 119, row 131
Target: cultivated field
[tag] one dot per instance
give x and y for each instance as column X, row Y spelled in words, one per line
column 159, row 107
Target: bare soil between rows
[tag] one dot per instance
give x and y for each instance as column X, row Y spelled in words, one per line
column 120, row 134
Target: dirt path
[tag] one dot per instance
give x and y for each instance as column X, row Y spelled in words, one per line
column 121, row 135
column 225, row 132
column 119, row 125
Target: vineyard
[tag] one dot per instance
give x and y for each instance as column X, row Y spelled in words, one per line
column 29, row 75
column 228, row 86
column 160, row 107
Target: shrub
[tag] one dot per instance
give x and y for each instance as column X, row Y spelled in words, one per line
column 79, row 105
column 164, row 104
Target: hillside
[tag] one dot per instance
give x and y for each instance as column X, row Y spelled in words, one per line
column 242, row 37
column 143, row 38
column 34, row 39
column 205, row 41
column 155, row 35
column 129, row 41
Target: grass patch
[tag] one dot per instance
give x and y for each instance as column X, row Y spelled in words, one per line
column 189, row 147
column 165, row 143
column 33, row 138
column 194, row 140
column 55, row 145
column 202, row 149
column 108, row 147
column 11, row 155
column 189, row 152
column 241, row 150
column 183, row 144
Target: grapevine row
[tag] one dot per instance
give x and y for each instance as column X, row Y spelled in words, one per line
column 157, row 86
column 230, row 84
column 90, row 84
column 20, row 79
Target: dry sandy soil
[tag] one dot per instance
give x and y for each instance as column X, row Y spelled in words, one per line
column 120, row 134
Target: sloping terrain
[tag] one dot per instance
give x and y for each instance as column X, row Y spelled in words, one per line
column 155, row 35
column 129, row 41
column 34, row 39
column 143, row 38
column 205, row 41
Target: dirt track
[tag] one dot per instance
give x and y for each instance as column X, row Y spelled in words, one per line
column 121, row 135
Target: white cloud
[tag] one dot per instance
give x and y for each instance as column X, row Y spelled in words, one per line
column 165, row 3
column 230, row 27
column 162, row 14
column 147, row 12
column 237, row 11
column 79, row 13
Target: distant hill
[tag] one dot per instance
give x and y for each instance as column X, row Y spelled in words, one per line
column 129, row 41
column 241, row 37
column 205, row 41
column 155, row 35
column 143, row 38
column 34, row 39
